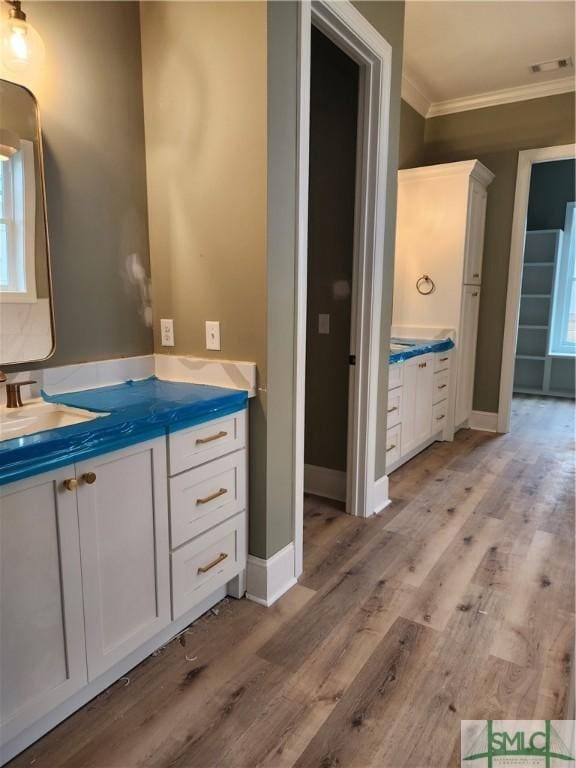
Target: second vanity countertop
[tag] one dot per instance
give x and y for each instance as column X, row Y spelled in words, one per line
column 415, row 347
column 137, row 411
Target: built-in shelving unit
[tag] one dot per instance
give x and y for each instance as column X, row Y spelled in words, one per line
column 536, row 372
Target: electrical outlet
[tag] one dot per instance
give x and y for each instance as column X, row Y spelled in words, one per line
column 167, row 333
column 323, row 323
column 212, row 334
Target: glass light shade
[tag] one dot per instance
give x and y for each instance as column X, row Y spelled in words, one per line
column 21, row 46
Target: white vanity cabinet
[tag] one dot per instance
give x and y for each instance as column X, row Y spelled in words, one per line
column 107, row 559
column 417, row 402
column 440, row 234
column 85, row 576
column 418, row 405
column 123, row 517
column 42, row 650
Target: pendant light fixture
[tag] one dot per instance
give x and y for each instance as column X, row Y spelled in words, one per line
column 21, row 45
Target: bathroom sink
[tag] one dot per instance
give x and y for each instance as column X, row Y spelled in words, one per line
column 38, row 416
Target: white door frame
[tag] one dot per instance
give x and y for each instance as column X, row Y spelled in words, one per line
column 526, row 159
column 353, row 34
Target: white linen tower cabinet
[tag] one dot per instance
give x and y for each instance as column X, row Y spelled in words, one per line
column 440, row 234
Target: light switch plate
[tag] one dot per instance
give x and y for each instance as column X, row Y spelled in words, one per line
column 167, row 332
column 212, row 334
column 323, row 323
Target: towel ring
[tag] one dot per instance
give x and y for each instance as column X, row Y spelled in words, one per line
column 425, row 280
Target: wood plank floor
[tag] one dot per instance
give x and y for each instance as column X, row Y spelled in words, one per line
column 455, row 603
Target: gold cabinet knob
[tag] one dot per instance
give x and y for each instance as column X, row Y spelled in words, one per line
column 71, row 484
column 89, row 477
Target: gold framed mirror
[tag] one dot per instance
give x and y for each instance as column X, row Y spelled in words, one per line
column 26, row 305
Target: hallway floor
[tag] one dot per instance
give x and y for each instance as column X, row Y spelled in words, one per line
column 457, row 602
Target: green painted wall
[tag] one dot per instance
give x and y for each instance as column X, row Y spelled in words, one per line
column 276, row 438
column 412, row 128
column 552, row 185
column 90, row 100
column 333, row 122
column 494, row 136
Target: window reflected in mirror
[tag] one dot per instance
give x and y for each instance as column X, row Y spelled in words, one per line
column 26, row 327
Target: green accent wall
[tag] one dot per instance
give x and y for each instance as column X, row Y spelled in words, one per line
column 90, row 100
column 552, row 185
column 495, row 135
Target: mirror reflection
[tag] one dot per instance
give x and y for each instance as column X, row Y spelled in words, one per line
column 26, row 328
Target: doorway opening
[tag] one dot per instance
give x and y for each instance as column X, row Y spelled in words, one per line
column 330, row 380
column 353, row 35
column 540, row 338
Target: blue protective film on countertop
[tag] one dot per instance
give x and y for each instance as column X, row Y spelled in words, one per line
column 137, row 411
column 416, row 347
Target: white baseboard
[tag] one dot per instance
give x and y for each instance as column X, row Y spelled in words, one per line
column 267, row 580
column 381, row 498
column 321, row 481
column 484, row 421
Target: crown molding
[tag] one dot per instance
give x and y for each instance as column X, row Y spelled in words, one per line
column 415, row 94
column 504, row 96
column 412, row 94
column 473, row 168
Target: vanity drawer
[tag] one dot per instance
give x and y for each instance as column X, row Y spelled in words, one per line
column 439, row 416
column 203, row 497
column 189, row 448
column 393, row 444
column 208, row 562
column 441, row 361
column 441, row 381
column 394, row 407
column 395, row 375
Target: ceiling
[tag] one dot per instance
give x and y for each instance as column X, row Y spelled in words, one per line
column 455, row 51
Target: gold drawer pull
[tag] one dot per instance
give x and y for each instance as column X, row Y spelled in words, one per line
column 71, row 484
column 89, row 477
column 442, row 386
column 476, row 274
column 475, row 293
column 204, row 440
column 439, row 418
column 422, row 365
column 213, row 564
column 394, row 408
column 443, row 359
column 212, row 496
column 390, row 449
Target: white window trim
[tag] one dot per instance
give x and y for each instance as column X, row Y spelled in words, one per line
column 28, row 296
column 562, row 287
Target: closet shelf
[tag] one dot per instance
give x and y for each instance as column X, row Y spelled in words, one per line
column 538, row 263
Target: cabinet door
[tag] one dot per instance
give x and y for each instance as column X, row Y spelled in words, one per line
column 123, row 514
column 42, row 651
column 475, row 234
column 417, row 405
column 467, row 353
